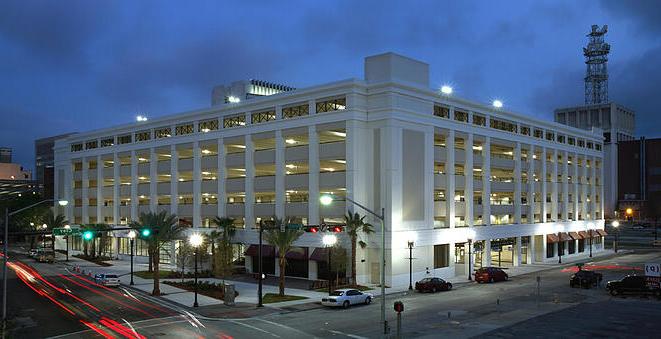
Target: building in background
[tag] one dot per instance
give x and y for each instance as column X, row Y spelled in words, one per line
column 617, row 121
column 14, row 178
column 449, row 172
column 244, row 90
column 44, row 160
column 639, row 181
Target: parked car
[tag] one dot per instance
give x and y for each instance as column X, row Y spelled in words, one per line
column 432, row 285
column 585, row 279
column 490, row 274
column 33, row 253
column 631, row 284
column 346, row 297
column 106, row 279
column 45, row 255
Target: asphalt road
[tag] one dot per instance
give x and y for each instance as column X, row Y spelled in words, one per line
column 55, row 302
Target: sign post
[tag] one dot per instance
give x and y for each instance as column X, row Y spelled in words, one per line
column 399, row 308
column 653, row 275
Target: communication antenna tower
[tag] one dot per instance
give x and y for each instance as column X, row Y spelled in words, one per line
column 596, row 59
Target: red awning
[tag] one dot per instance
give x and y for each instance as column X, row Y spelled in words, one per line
column 575, row 236
column 584, row 234
column 267, row 251
column 297, row 253
column 551, row 238
column 602, row 233
column 320, row 254
column 565, row 237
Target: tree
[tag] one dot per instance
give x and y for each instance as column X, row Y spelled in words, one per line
column 355, row 225
column 164, row 228
column 282, row 239
column 54, row 221
column 339, row 260
column 222, row 260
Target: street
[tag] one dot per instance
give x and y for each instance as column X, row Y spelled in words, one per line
column 51, row 301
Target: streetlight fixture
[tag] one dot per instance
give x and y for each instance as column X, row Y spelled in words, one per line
column 410, row 246
column 43, row 236
column 615, row 225
column 470, row 237
column 196, row 240
column 497, row 103
column 329, row 240
column 66, row 237
column 445, row 89
column 6, row 247
column 131, row 239
column 327, row 199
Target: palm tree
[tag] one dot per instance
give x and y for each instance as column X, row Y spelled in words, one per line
column 282, row 239
column 164, row 228
column 224, row 234
column 356, row 224
column 54, row 221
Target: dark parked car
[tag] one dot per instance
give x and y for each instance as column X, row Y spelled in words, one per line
column 585, row 279
column 432, row 285
column 490, row 274
column 631, row 284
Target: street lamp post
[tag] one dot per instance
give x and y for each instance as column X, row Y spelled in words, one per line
column 66, row 227
column 327, row 200
column 131, row 239
column 196, row 241
column 560, row 247
column 329, row 241
column 410, row 245
column 43, row 236
column 590, row 243
column 616, row 225
column 470, row 259
column 6, row 247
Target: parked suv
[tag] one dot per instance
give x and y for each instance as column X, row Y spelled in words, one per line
column 585, row 279
column 631, row 284
column 45, row 255
column 490, row 274
column 432, row 285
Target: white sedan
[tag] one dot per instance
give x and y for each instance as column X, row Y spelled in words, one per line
column 346, row 297
column 107, row 279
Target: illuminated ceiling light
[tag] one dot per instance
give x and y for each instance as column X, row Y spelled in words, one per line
column 477, row 169
column 142, row 197
column 290, row 166
column 477, row 148
column 290, row 141
column 205, row 194
column 240, row 146
column 213, row 178
column 233, row 100
column 142, row 159
column 142, row 178
column 206, row 130
column 141, row 118
column 167, row 155
column 339, row 134
column 206, row 173
column 447, row 90
column 181, row 179
column 341, row 161
column 206, row 151
column 497, row 103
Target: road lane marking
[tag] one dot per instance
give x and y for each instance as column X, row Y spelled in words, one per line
column 347, row 334
column 284, row 326
column 254, row 328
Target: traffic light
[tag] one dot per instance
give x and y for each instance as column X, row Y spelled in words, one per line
column 312, row 229
column 399, row 307
column 336, row 229
column 88, row 235
column 145, row 232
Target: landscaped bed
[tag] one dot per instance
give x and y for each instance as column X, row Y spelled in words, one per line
column 167, row 274
column 97, row 260
column 203, row 287
column 270, row 298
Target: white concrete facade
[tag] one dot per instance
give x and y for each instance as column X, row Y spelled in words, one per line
column 387, row 141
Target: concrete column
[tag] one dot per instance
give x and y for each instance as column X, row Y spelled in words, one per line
column 134, row 186
column 115, row 188
column 85, row 192
column 221, row 176
column 68, row 192
column 100, row 218
column 249, row 187
column 575, row 181
column 153, row 180
column 532, row 247
column 197, row 185
column 543, row 210
column 486, row 255
column 531, row 185
column 174, row 179
column 517, row 183
column 602, row 198
column 486, row 181
column 279, row 174
column 468, row 175
column 554, row 186
column 449, row 175
column 584, row 190
column 312, row 109
column 517, row 252
column 278, row 112
column 565, row 186
column 313, row 176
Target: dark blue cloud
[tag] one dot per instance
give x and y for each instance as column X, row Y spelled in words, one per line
column 78, row 65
